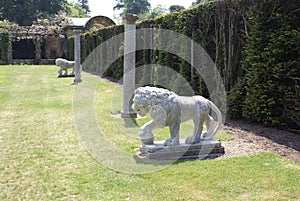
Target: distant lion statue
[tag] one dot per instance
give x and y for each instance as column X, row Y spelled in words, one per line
column 166, row 108
column 64, row 66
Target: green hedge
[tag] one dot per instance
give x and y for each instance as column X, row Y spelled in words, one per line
column 270, row 92
column 207, row 24
column 254, row 44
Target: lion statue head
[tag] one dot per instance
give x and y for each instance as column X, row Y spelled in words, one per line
column 147, row 98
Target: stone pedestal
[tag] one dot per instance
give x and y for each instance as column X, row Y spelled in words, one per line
column 202, row 150
column 10, row 53
column 77, row 67
column 38, row 50
column 129, row 65
column 76, row 30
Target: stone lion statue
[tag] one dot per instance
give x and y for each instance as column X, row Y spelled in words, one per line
column 64, row 66
column 166, row 108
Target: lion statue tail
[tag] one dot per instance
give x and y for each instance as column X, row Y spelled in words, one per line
column 212, row 130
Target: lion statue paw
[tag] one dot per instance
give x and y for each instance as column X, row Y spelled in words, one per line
column 171, row 142
column 192, row 140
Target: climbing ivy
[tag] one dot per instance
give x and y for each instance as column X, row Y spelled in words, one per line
column 5, row 38
column 4, row 44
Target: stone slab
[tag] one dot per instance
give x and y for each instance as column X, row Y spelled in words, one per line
column 201, row 150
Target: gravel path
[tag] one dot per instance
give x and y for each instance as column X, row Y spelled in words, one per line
column 254, row 139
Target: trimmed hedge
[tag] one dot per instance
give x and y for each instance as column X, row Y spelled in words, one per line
column 254, row 44
column 270, row 92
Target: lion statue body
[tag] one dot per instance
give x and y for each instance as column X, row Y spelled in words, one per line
column 166, row 108
column 64, row 66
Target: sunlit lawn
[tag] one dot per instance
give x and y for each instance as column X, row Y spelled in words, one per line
column 42, row 157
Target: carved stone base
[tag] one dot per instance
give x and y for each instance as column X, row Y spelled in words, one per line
column 70, row 75
column 202, row 150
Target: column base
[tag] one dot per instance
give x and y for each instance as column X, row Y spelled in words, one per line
column 128, row 115
column 77, row 80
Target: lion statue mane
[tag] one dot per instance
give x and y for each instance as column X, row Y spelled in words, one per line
column 166, row 108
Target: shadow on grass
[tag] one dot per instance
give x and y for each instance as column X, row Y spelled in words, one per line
column 140, row 160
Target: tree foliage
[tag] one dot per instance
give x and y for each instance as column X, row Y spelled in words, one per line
column 176, row 8
column 153, row 13
column 200, row 1
column 24, row 12
column 75, row 10
column 133, row 6
column 84, row 5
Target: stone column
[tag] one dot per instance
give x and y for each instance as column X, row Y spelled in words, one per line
column 77, row 56
column 129, row 65
column 38, row 51
column 10, row 53
column 192, row 57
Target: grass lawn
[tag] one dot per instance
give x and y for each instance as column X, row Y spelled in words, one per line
column 43, row 158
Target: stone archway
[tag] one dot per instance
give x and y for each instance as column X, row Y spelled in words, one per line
column 99, row 22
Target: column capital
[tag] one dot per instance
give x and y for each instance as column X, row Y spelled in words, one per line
column 77, row 31
column 130, row 18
